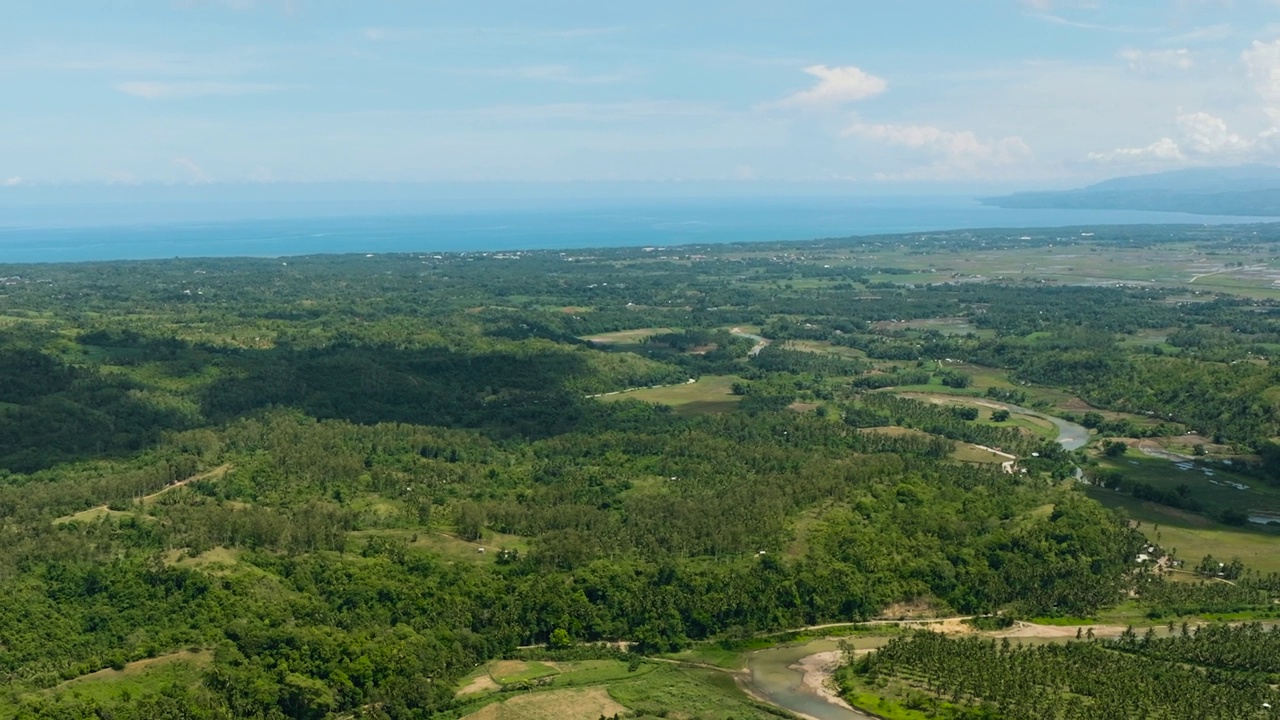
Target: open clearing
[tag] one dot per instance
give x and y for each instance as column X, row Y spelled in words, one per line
column 591, row 688
column 626, row 337
column 138, row 678
column 92, row 515
column 213, row 474
column 505, row 672
column 102, row 511
column 218, row 560
column 710, row 394
column 1033, row 425
column 964, row 452
column 820, row 346
column 1215, row 487
column 451, row 547
column 583, row 704
column 1195, row 536
column 139, row 668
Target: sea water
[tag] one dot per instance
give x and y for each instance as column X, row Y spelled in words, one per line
column 71, row 237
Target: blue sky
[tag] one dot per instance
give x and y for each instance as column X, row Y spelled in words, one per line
column 901, row 94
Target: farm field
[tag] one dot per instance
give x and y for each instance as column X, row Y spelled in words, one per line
column 1194, row 536
column 1031, row 424
column 626, row 337
column 1214, row 486
column 588, row 689
column 964, row 452
column 710, row 394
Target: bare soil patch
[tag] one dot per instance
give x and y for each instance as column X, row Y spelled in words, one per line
column 1076, row 404
column 507, row 668
column 483, row 683
column 584, row 704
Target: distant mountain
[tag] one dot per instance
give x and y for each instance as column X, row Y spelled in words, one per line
column 1239, row 190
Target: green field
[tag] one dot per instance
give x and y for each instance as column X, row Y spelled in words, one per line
column 626, row 337
column 710, row 394
column 819, row 346
column 587, row 689
column 135, row 679
column 1199, row 484
column 1194, row 536
column 1030, row 423
column 964, row 452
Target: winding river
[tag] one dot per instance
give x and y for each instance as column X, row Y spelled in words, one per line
column 775, row 674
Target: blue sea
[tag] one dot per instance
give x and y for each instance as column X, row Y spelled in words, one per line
column 559, row 225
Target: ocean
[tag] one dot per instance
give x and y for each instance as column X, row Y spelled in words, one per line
column 557, row 226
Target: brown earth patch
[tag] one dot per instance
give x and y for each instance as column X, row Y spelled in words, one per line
column 483, row 683
column 585, row 704
column 507, row 668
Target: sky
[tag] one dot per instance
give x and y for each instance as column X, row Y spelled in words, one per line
column 902, row 95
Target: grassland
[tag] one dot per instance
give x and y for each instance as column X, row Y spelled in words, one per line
column 1194, row 536
column 1199, row 482
column 135, row 679
column 449, row 546
column 1033, row 425
column 964, row 452
column 626, row 337
column 710, row 394
column 1173, row 265
column 588, row 689
column 819, row 346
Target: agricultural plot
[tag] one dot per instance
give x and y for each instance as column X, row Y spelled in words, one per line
column 589, row 689
column 1215, row 487
column 710, row 394
column 1029, row 423
column 1194, row 536
column 818, row 346
column 626, row 337
column 964, row 452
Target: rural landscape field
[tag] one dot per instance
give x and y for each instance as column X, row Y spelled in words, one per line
column 746, row 481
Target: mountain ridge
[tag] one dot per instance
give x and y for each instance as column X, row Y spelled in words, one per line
column 1245, row 190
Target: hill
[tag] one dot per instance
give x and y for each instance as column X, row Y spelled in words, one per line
column 1249, row 190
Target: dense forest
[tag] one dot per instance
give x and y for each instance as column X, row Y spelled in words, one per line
column 346, row 481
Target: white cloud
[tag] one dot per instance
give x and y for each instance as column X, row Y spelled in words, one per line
column 1147, row 60
column 152, row 90
column 195, row 174
column 11, row 181
column 1162, row 150
column 1201, row 137
column 1205, row 134
column 1262, row 60
column 955, row 153
column 836, row 86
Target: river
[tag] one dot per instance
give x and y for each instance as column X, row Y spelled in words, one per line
column 775, row 675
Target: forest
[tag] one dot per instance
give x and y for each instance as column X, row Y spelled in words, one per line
column 334, row 486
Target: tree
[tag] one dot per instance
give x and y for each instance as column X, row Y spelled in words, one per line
column 1000, row 415
column 471, row 520
column 559, row 639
